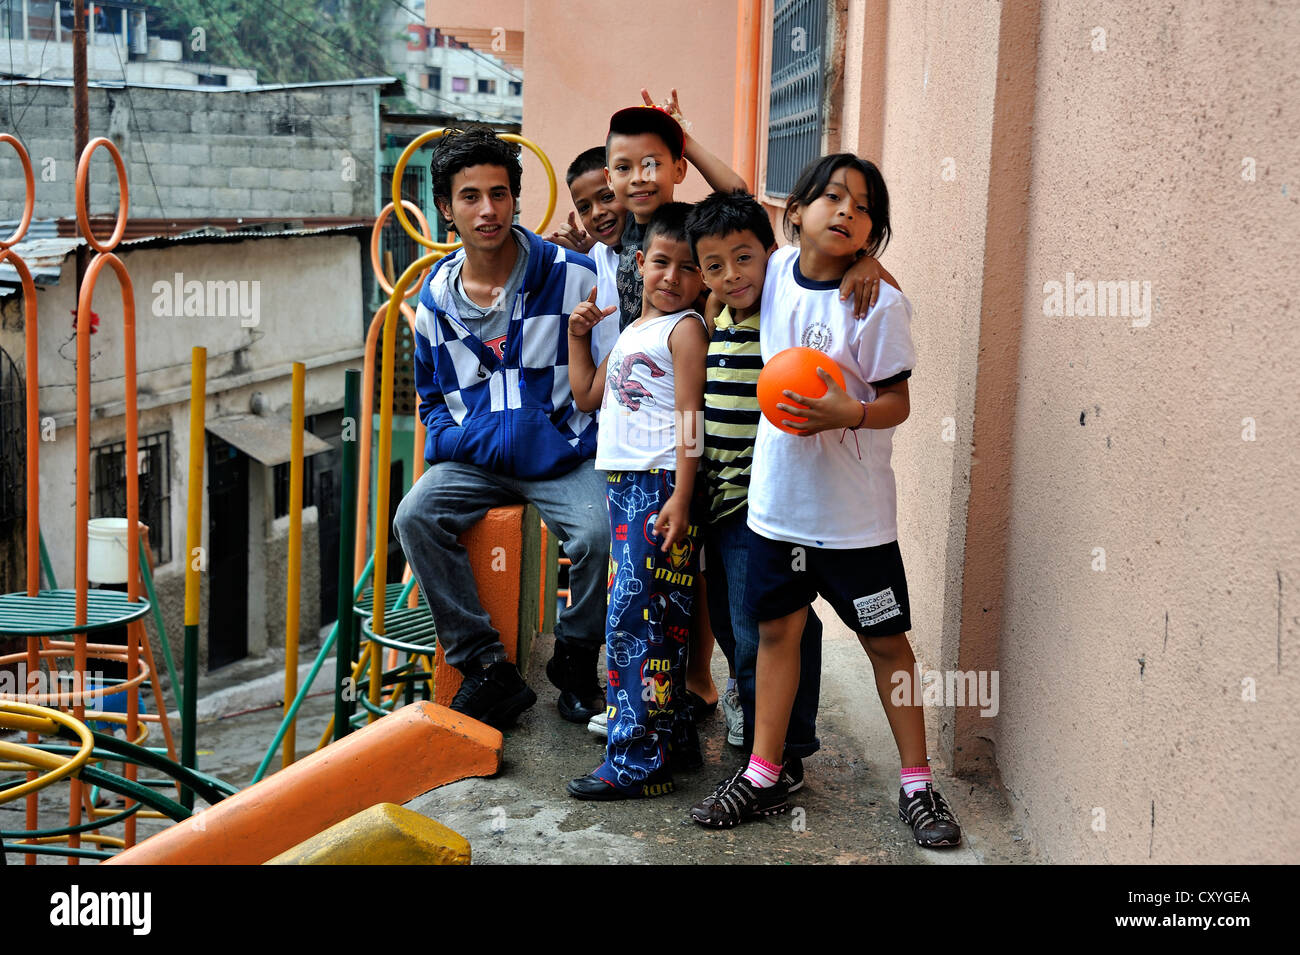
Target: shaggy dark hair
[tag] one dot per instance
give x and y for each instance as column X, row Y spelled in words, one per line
column 473, row 146
column 669, row 221
column 724, row 213
column 817, row 175
column 588, row 161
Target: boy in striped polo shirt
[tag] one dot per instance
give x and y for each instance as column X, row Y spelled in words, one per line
column 731, row 237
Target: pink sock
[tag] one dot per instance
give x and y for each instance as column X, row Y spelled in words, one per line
column 915, row 778
column 762, row 774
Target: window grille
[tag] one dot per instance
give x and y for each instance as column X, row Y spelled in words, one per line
column 794, row 136
column 153, row 464
column 13, row 444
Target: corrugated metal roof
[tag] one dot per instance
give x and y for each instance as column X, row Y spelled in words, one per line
column 260, row 88
column 139, row 227
column 44, row 256
column 43, row 249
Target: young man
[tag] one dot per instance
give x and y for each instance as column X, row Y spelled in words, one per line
column 490, row 353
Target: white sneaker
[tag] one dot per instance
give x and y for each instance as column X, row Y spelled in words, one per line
column 735, row 717
column 599, row 724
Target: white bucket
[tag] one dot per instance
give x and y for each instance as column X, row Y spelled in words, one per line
column 106, row 550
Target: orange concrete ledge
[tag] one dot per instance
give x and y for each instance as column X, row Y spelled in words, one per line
column 394, row 759
column 495, row 556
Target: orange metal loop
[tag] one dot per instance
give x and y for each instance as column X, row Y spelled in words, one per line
column 375, row 264
column 83, row 214
column 30, row 204
column 83, row 695
column 83, row 420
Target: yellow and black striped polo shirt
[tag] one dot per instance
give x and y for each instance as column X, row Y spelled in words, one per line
column 731, row 412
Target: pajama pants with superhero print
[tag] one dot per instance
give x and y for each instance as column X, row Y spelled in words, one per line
column 649, row 617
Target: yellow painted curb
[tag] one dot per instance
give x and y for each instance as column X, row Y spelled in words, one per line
column 384, row 834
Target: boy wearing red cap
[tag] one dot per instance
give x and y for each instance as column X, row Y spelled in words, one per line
column 646, row 153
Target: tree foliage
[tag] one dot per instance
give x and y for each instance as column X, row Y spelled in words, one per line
column 286, row 41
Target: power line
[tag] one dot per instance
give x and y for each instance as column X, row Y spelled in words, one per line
column 126, row 87
column 491, row 61
column 338, row 143
column 382, row 69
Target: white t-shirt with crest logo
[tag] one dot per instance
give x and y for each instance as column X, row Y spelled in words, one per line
column 829, row 490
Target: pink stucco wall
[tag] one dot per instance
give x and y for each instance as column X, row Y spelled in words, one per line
column 583, row 60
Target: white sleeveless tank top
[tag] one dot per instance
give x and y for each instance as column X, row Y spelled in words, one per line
column 638, row 426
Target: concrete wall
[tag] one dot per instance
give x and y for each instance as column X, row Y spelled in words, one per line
column 308, row 294
column 199, row 153
column 584, row 61
column 107, row 60
column 484, row 14
column 311, row 308
column 1108, row 143
column 1125, row 686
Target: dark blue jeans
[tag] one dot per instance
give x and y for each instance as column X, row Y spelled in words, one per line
column 726, row 556
column 452, row 497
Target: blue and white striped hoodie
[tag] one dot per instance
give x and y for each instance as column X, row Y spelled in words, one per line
column 513, row 416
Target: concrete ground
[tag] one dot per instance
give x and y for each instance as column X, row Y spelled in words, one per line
column 846, row 813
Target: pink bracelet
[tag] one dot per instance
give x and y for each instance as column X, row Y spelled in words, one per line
column 863, row 422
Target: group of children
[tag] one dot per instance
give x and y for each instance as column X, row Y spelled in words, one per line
column 692, row 465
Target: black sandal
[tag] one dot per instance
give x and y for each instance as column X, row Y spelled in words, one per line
column 697, row 708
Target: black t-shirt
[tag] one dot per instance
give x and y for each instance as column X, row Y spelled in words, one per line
column 629, row 279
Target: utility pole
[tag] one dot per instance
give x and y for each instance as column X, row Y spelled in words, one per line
column 81, row 118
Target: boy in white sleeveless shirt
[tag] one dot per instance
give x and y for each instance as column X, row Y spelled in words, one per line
column 650, row 391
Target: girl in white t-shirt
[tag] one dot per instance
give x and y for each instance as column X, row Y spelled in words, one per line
column 822, row 501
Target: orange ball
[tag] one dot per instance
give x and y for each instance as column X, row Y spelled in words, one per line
column 794, row 369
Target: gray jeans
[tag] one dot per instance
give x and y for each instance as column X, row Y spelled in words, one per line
column 450, row 498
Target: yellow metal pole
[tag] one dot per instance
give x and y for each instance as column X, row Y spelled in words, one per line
column 357, row 669
column 194, row 559
column 194, row 503
column 293, row 590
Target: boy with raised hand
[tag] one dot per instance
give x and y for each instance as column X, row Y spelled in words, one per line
column 646, row 155
column 650, row 392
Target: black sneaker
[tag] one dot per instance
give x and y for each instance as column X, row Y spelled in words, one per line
column 792, row 773
column 737, row 801
column 572, row 670
column 495, row 695
column 933, row 823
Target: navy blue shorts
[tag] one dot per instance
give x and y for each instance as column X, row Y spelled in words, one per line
column 866, row 586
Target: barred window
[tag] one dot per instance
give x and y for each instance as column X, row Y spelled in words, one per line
column 794, row 131
column 153, row 465
column 13, row 444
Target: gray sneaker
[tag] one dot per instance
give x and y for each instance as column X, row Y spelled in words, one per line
column 735, row 717
column 599, row 725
